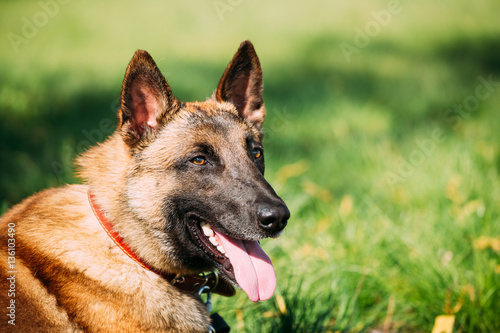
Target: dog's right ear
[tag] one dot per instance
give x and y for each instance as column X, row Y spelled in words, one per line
column 146, row 101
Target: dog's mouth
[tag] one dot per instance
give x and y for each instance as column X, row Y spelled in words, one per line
column 242, row 262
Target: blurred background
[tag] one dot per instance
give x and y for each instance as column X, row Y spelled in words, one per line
column 382, row 135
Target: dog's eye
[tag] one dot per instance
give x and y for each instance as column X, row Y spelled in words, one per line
column 257, row 153
column 199, row 160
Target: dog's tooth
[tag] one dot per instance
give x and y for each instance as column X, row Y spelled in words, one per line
column 213, row 241
column 207, row 230
column 221, row 249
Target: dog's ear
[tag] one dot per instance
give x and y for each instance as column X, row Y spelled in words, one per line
column 241, row 84
column 146, row 100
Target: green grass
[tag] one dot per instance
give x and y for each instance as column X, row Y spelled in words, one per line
column 390, row 222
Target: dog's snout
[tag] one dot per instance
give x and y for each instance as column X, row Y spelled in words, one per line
column 273, row 218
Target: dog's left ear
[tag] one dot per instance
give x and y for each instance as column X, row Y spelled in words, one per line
column 146, row 101
column 241, row 84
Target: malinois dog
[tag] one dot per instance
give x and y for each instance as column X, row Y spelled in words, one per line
column 176, row 191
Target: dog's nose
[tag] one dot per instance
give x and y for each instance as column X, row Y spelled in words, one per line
column 273, row 218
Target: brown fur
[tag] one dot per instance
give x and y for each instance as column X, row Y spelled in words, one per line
column 70, row 276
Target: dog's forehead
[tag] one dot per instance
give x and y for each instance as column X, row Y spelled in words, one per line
column 207, row 123
column 214, row 119
column 209, row 107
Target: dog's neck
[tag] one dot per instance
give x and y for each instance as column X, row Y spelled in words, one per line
column 103, row 168
column 185, row 283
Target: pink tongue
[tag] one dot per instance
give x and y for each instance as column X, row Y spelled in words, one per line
column 253, row 269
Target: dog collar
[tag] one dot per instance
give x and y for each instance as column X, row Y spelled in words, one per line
column 185, row 283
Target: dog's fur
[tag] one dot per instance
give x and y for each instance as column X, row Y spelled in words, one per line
column 168, row 164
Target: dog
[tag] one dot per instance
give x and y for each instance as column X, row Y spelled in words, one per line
column 174, row 199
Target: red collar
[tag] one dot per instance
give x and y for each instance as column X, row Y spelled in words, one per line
column 186, row 283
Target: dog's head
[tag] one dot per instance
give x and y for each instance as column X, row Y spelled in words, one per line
column 196, row 177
